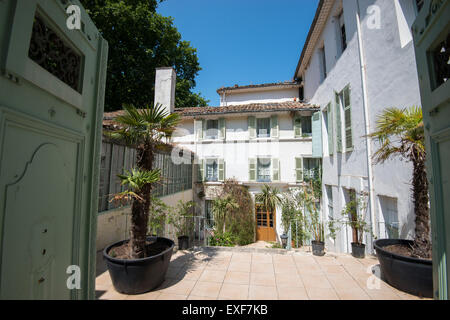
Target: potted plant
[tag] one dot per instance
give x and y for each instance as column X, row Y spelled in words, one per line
column 140, row 263
column 406, row 264
column 354, row 213
column 220, row 208
column 182, row 219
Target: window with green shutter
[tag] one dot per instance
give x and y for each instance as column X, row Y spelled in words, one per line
column 251, row 121
column 276, row 176
column 274, row 132
column 330, row 132
column 221, row 170
column 252, row 169
column 347, row 119
column 299, row 169
column 201, row 170
column 338, row 122
column 297, row 122
column 222, row 128
column 198, row 129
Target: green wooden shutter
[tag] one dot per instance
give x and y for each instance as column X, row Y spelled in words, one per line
column 348, row 120
column 274, row 129
column 298, row 169
column 251, row 127
column 338, row 124
column 201, row 171
column 276, row 176
column 222, row 128
column 221, row 170
column 330, row 129
column 317, row 134
column 252, row 169
column 198, row 129
column 297, row 127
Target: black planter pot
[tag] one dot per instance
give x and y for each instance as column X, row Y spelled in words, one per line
column 139, row 275
column 318, row 248
column 284, row 238
column 183, row 242
column 358, row 250
column 411, row 275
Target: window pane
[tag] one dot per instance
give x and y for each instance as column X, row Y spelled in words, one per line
column 212, row 129
column 306, row 125
column 211, row 170
column 264, row 170
column 263, row 127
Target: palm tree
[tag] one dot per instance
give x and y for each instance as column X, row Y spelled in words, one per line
column 145, row 130
column 400, row 132
column 269, row 197
column 220, row 208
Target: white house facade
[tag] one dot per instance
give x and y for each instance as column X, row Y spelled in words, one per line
column 255, row 144
column 358, row 60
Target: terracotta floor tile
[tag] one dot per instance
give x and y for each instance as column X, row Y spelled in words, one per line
column 288, row 280
column 239, row 266
column 212, row 276
column 292, row 293
column 356, row 293
column 262, row 279
column 316, row 281
column 180, row 287
column 281, row 258
column 262, row 267
column 285, row 268
column 261, row 258
column 315, row 293
column 262, row 293
column 171, row 296
column 237, row 277
column 112, row 294
column 191, row 297
column 206, row 289
column 234, row 291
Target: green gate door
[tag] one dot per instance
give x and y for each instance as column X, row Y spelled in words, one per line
column 432, row 40
column 51, row 106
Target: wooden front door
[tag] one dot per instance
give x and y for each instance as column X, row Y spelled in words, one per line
column 265, row 224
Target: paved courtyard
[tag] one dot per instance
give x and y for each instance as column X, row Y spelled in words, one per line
column 211, row 275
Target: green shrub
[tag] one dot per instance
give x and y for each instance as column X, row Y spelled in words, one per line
column 241, row 221
column 226, row 239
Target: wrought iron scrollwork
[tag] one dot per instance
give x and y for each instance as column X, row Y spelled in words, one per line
column 52, row 53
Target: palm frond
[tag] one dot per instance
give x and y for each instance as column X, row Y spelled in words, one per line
column 137, row 179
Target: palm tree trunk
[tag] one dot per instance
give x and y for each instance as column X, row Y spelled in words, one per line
column 422, row 240
column 140, row 209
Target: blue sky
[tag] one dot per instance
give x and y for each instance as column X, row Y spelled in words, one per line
column 242, row 41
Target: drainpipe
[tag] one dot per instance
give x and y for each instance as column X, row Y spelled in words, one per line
column 367, row 121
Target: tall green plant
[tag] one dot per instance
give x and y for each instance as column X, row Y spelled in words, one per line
column 181, row 218
column 144, row 129
column 400, row 132
column 220, row 208
column 354, row 213
column 270, row 197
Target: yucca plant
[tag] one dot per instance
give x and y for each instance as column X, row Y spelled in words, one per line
column 400, row 132
column 144, row 129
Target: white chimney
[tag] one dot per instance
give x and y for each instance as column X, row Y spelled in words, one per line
column 165, row 81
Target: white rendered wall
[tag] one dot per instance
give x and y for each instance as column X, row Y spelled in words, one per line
column 392, row 82
column 266, row 96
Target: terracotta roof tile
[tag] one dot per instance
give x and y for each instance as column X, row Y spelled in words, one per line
column 246, row 108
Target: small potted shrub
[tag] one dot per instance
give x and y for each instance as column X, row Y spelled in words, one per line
column 354, row 214
column 317, row 231
column 182, row 219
